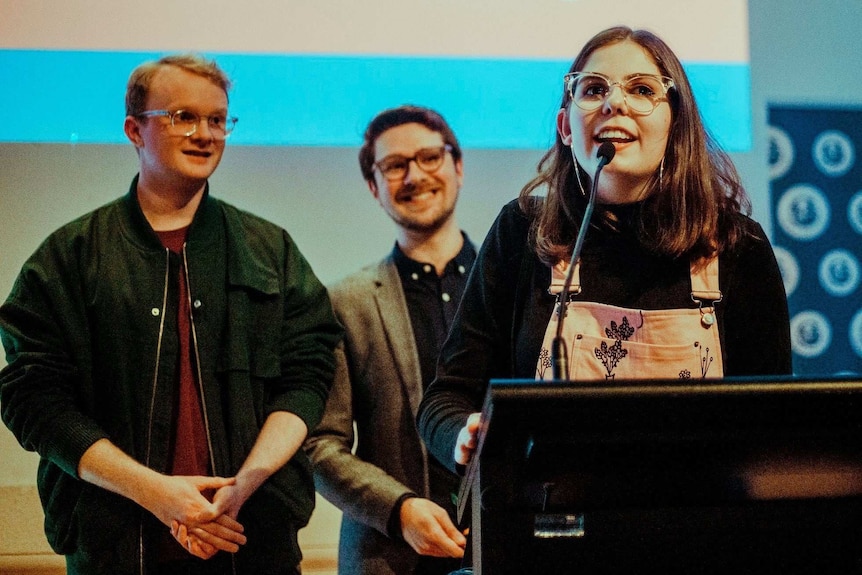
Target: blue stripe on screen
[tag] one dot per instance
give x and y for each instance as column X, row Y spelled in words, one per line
column 306, row 100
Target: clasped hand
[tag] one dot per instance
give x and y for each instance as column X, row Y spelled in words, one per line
column 204, row 527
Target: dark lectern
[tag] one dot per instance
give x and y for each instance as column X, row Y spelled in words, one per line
column 663, row 477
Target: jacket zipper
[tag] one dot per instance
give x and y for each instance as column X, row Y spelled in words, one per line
column 153, row 396
column 198, row 373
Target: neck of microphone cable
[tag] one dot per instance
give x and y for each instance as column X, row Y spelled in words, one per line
column 559, row 356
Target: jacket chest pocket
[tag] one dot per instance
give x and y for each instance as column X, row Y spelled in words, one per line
column 253, row 342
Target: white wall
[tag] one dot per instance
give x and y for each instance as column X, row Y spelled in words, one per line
column 801, row 52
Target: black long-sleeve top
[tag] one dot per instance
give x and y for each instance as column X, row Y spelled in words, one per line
column 500, row 325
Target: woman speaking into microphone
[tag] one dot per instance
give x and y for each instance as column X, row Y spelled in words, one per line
column 674, row 279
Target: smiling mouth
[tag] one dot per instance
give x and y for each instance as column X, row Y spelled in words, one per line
column 416, row 194
column 614, row 136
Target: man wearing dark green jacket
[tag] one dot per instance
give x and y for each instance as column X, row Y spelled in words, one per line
column 167, row 355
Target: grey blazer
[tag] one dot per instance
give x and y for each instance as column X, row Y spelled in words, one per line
column 378, row 385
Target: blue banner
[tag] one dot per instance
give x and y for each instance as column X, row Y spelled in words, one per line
column 54, row 96
column 816, row 198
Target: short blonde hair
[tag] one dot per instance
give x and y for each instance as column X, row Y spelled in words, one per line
column 141, row 78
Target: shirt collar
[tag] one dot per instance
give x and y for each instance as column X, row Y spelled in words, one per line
column 461, row 263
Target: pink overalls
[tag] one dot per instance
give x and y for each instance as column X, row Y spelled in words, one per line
column 609, row 342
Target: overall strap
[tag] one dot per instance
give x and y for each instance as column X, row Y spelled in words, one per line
column 704, row 288
column 558, row 279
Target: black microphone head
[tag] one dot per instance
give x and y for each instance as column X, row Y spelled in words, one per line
column 606, row 152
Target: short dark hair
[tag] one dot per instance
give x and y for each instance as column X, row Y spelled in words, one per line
column 399, row 116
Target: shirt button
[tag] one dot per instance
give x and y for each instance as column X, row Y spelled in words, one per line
column 461, row 269
column 155, row 312
column 197, row 303
column 414, row 275
column 446, row 297
column 426, row 268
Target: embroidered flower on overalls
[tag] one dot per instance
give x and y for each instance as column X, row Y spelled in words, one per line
column 620, row 332
column 610, row 356
column 544, row 362
column 705, row 360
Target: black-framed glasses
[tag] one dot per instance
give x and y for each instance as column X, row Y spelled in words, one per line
column 185, row 122
column 642, row 93
column 429, row 160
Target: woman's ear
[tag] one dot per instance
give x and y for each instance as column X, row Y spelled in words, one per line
column 564, row 128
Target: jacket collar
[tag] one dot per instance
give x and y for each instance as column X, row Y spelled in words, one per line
column 213, row 221
column 202, row 230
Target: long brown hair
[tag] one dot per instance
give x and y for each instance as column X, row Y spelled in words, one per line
column 690, row 212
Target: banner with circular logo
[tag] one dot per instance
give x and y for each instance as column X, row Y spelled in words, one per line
column 816, row 198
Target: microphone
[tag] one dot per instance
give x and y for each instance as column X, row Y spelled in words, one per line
column 559, row 355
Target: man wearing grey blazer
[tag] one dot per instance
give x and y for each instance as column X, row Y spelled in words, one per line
column 397, row 501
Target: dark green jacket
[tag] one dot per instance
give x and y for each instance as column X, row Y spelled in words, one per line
column 90, row 336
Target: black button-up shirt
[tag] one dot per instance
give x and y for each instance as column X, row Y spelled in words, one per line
column 432, row 301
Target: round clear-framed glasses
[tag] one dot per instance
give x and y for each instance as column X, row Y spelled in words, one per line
column 642, row 92
column 185, row 123
column 429, row 160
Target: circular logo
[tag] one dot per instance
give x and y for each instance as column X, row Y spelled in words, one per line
column 833, row 153
column 810, row 333
column 856, row 333
column 839, row 272
column 803, row 212
column 789, row 268
column 780, row 152
column 854, row 212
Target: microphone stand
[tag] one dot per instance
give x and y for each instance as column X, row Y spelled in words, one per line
column 559, row 358
column 559, row 355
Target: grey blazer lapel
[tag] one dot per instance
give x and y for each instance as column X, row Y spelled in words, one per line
column 395, row 318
